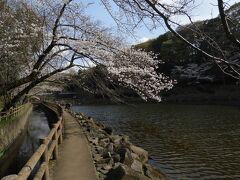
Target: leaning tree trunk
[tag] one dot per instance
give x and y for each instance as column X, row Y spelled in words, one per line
column 16, row 98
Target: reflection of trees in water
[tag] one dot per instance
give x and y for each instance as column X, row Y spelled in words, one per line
column 37, row 128
column 26, row 150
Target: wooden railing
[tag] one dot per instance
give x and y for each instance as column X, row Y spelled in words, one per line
column 4, row 116
column 47, row 150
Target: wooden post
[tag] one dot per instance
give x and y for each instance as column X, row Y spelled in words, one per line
column 63, row 122
column 45, row 159
column 61, row 134
column 55, row 151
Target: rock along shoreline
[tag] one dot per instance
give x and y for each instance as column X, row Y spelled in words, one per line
column 115, row 157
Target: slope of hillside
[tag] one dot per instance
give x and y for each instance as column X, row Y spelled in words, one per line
column 199, row 79
column 188, row 65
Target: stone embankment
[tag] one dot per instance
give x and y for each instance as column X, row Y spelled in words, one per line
column 115, row 157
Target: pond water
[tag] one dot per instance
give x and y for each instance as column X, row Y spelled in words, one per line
column 184, row 141
column 37, row 128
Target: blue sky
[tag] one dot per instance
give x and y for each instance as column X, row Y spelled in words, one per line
column 205, row 10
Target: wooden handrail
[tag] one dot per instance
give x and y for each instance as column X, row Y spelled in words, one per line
column 16, row 111
column 47, row 150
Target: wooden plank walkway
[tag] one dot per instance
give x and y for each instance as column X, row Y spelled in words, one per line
column 75, row 161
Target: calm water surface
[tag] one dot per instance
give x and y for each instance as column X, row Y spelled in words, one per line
column 37, row 128
column 185, row 141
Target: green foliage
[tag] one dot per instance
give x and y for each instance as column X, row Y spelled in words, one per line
column 233, row 7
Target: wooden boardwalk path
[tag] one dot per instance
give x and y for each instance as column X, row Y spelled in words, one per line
column 75, row 161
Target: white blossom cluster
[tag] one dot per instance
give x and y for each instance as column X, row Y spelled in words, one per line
column 19, row 34
column 194, row 72
column 15, row 34
column 136, row 69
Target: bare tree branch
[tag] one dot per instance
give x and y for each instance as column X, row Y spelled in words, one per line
column 225, row 24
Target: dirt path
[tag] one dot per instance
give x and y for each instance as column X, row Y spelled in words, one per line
column 75, row 161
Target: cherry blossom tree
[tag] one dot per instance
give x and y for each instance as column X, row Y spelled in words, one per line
column 163, row 13
column 20, row 35
column 69, row 38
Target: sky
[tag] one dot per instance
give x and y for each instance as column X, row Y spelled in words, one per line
column 206, row 9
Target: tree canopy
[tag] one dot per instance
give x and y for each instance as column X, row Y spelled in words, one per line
column 63, row 36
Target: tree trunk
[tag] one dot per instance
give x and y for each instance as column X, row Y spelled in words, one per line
column 16, row 98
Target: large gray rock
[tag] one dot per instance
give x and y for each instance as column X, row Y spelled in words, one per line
column 107, row 167
column 100, row 149
column 123, row 172
column 108, row 151
column 135, row 156
column 97, row 157
column 152, row 173
column 115, row 139
column 104, row 138
column 137, row 166
column 120, row 141
column 142, row 154
column 116, row 158
column 110, row 147
column 94, row 141
column 125, row 156
column 104, row 161
column 102, row 143
column 106, row 154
